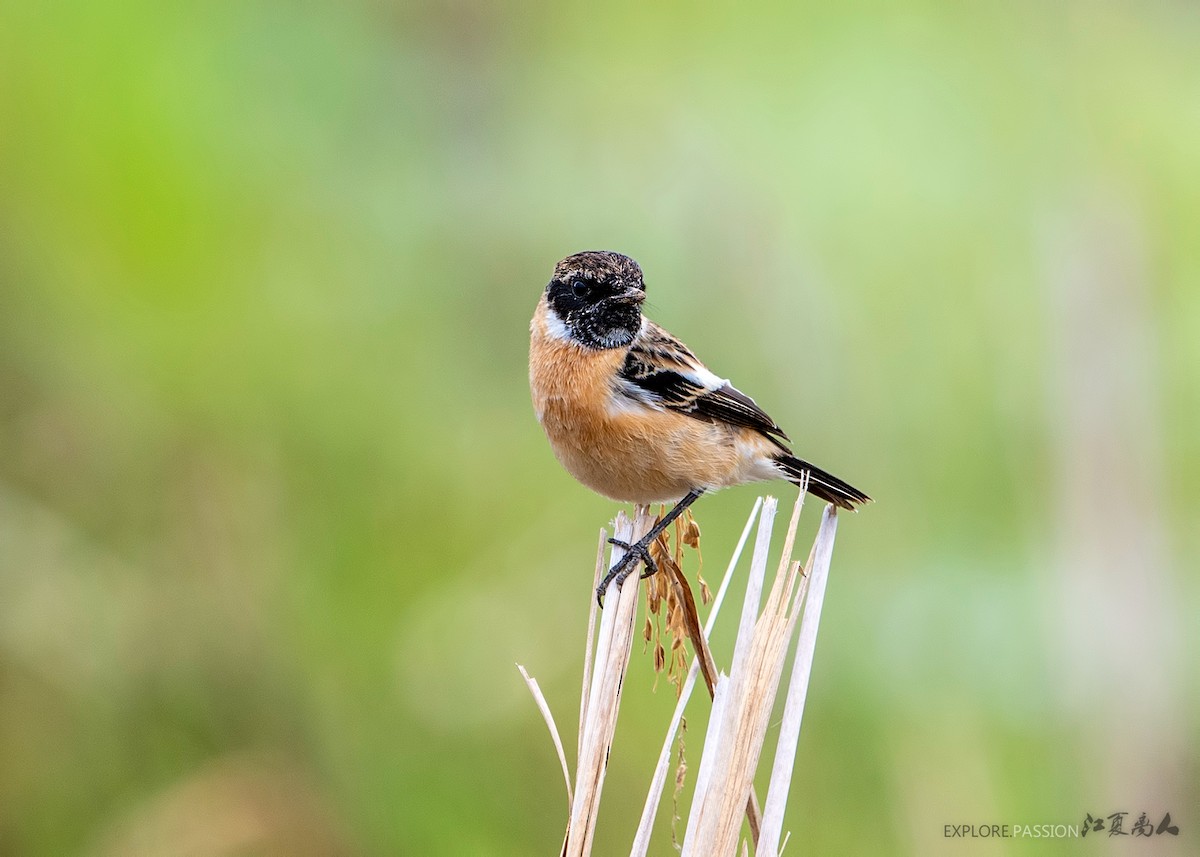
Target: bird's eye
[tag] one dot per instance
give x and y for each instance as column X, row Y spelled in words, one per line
column 581, row 289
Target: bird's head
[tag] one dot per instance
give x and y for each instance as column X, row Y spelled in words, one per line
column 595, row 299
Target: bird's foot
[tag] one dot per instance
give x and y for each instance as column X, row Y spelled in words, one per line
column 625, row 565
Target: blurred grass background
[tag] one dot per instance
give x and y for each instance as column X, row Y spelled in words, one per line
column 275, row 515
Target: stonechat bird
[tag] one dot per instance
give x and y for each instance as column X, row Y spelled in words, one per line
column 634, row 415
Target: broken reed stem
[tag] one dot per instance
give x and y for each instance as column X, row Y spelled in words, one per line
column 641, row 840
column 793, row 711
column 708, row 666
column 742, row 700
column 590, row 640
column 598, row 721
column 743, row 704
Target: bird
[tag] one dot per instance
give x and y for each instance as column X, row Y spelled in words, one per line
column 633, row 414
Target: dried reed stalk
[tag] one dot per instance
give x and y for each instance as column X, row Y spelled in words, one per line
column 742, row 700
column 745, row 699
column 793, row 711
column 598, row 718
column 641, row 840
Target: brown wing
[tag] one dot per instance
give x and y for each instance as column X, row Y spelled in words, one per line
column 660, row 370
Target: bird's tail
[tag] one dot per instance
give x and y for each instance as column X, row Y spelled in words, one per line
column 821, row 484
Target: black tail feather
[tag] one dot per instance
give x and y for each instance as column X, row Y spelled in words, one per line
column 821, row 484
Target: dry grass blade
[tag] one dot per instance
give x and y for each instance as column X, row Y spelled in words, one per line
column 544, row 707
column 683, row 595
column 754, row 585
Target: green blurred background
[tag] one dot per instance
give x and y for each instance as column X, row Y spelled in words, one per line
column 276, row 519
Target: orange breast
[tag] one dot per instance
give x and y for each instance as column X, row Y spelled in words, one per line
column 623, row 449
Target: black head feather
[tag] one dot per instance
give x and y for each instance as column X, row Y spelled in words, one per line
column 598, row 295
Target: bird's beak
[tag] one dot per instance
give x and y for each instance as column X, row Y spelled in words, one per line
column 631, row 295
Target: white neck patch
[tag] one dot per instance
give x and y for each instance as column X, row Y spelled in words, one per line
column 556, row 327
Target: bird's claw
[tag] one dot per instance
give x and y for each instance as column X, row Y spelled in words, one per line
column 623, row 567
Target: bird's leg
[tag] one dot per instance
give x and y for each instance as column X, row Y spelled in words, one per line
column 641, row 548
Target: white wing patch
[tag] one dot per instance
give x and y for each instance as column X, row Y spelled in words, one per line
column 706, row 378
